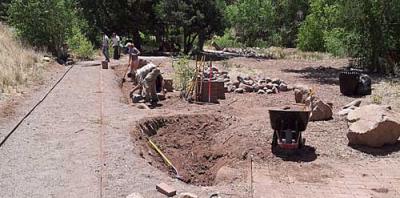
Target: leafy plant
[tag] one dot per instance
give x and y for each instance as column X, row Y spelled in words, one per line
column 183, row 73
column 81, row 47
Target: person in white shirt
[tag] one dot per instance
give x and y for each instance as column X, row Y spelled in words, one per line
column 115, row 44
column 105, row 44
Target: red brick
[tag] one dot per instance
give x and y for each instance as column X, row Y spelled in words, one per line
column 166, row 189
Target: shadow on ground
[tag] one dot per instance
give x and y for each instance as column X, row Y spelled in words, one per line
column 383, row 151
column 322, row 75
column 305, row 154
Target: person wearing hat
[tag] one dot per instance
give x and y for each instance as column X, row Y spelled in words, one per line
column 133, row 61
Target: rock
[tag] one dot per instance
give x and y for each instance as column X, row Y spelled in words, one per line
column 46, row 59
column 275, row 85
column 236, row 84
column 239, row 90
column 355, row 103
column 319, row 110
column 275, row 90
column 373, row 125
column 276, row 81
column 262, row 81
column 345, row 112
column 227, row 80
column 231, row 88
column 248, row 82
column 268, row 80
column 261, row 91
column 269, row 85
column 283, row 87
column 135, row 195
column 269, row 91
column 301, row 93
column 187, row 195
column 256, row 88
column 246, row 88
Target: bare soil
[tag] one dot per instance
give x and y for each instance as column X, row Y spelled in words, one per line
column 208, row 137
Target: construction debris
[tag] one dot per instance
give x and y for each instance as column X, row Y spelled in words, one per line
column 165, row 189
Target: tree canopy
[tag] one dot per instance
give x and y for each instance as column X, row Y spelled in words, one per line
column 364, row 29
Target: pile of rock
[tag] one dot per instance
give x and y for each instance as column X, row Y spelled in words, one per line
column 247, row 52
column 247, row 84
column 261, row 86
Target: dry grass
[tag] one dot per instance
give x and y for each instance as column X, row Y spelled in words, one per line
column 294, row 54
column 387, row 92
column 19, row 64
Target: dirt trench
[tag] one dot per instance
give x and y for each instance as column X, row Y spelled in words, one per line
column 197, row 145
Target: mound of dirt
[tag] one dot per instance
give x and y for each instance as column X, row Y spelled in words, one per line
column 197, row 145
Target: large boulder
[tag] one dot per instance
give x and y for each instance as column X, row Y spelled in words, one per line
column 373, row 125
column 319, row 110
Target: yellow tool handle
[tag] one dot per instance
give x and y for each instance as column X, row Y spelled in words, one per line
column 159, row 152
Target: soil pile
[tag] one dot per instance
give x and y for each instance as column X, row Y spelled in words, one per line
column 197, row 145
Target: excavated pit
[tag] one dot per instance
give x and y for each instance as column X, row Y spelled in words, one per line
column 197, row 145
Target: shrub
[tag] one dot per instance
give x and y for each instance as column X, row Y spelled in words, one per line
column 41, row 22
column 334, row 42
column 311, row 37
column 81, row 47
column 183, row 73
column 227, row 40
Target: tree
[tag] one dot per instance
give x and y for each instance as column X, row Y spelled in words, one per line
column 193, row 19
column 41, row 22
column 3, row 9
column 251, row 19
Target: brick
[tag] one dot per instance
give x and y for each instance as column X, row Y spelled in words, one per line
column 104, row 64
column 166, row 189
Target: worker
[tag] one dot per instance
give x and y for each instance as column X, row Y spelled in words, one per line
column 115, row 44
column 146, row 80
column 105, row 44
column 133, row 61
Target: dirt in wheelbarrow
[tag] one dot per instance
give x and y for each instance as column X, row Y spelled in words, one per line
column 197, row 145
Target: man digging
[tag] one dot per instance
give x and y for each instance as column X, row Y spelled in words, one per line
column 147, row 83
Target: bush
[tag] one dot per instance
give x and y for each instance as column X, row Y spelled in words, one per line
column 311, row 37
column 41, row 22
column 81, row 47
column 227, row 40
column 335, row 42
column 183, row 73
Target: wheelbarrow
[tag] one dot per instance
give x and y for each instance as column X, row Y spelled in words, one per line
column 288, row 125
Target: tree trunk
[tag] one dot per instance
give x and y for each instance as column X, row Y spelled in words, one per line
column 137, row 39
column 201, row 41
